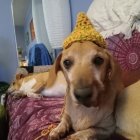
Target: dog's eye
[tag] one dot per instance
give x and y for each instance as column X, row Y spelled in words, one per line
column 67, row 63
column 98, row 60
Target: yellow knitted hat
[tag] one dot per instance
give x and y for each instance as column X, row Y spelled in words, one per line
column 84, row 31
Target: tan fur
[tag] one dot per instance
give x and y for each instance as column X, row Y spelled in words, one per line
column 90, row 118
column 43, row 80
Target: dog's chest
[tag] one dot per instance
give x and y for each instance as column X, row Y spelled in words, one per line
column 83, row 117
column 28, row 86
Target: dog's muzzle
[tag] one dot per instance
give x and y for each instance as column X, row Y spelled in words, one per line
column 83, row 95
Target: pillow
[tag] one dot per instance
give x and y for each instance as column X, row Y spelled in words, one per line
column 32, row 118
column 127, row 53
column 128, row 112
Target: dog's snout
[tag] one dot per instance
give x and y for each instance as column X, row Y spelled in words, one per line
column 83, row 94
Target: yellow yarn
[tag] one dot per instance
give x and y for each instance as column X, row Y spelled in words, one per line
column 45, row 132
column 84, row 31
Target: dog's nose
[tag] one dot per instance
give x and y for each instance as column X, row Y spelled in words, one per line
column 83, row 94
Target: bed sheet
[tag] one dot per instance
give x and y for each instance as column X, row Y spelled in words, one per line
column 29, row 117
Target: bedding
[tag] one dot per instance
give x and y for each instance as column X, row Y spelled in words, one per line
column 115, row 16
column 28, row 117
column 127, row 53
column 32, row 119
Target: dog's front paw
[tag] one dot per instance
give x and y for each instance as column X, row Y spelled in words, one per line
column 16, row 94
column 56, row 134
column 53, row 135
column 80, row 136
column 34, row 95
column 72, row 137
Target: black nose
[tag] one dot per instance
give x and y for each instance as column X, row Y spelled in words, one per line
column 83, row 94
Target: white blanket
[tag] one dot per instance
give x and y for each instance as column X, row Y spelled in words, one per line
column 111, row 17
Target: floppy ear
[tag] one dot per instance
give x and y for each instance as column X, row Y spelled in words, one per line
column 19, row 76
column 112, row 68
column 114, row 75
column 54, row 70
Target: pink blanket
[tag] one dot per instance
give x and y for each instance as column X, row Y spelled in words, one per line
column 28, row 116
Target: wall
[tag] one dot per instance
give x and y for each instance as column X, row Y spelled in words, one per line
column 78, row 6
column 19, row 30
column 8, row 52
column 27, row 21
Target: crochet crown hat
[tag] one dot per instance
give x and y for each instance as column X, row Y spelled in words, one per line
column 84, row 31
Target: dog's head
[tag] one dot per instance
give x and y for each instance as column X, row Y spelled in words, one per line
column 87, row 69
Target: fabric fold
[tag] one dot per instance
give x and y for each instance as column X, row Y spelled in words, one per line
column 111, row 17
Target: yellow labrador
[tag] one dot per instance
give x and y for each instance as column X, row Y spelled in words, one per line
column 93, row 82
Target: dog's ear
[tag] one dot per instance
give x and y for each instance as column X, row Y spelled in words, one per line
column 114, row 74
column 19, row 76
column 54, row 70
column 113, row 69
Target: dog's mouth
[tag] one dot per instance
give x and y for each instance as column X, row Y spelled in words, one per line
column 86, row 104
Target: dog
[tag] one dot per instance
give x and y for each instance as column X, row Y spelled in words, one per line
column 93, row 82
column 37, row 85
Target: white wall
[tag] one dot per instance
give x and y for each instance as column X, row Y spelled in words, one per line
column 19, row 30
column 8, row 51
column 78, row 6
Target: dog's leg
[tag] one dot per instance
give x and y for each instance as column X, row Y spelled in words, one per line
column 34, row 95
column 91, row 134
column 63, row 127
column 17, row 94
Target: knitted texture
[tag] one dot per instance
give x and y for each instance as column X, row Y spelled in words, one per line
column 84, row 31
